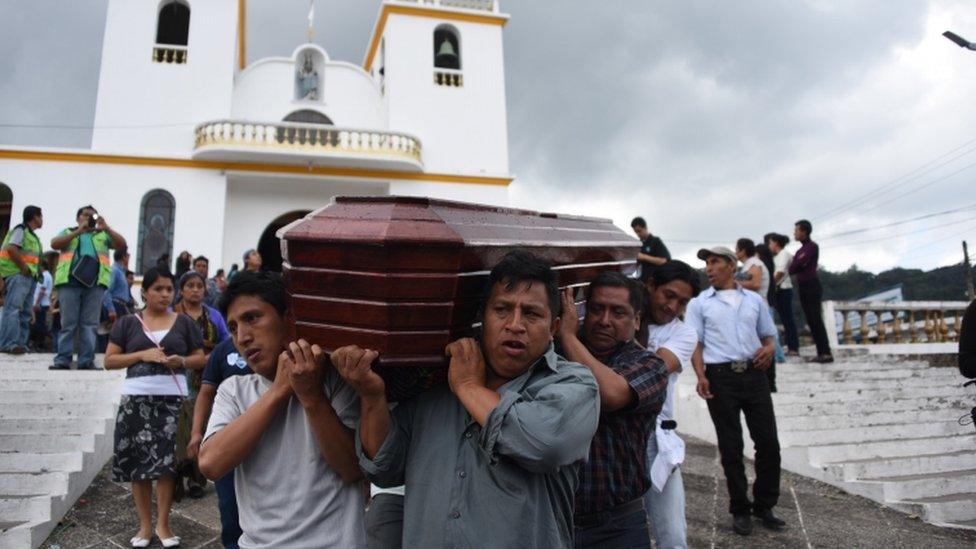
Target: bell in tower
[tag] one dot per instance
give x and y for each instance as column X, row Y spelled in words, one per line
column 446, row 55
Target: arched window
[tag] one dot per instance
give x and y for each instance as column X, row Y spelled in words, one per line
column 156, row 219
column 308, row 116
column 173, row 25
column 6, row 204
column 447, row 48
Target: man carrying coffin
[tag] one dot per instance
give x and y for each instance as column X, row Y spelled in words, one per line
column 633, row 383
column 492, row 459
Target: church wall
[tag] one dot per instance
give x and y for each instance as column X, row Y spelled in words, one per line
column 266, row 92
column 463, row 129
column 253, row 202
column 116, row 191
column 496, row 195
column 147, row 107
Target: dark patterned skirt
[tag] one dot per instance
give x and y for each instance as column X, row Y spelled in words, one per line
column 145, row 437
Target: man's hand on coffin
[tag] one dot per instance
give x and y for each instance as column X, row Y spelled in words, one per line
column 355, row 366
column 307, row 372
column 467, row 367
column 569, row 322
column 282, row 381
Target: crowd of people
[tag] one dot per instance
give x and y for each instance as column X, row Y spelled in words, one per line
column 556, row 427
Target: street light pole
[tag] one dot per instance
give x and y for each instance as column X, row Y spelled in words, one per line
column 959, row 40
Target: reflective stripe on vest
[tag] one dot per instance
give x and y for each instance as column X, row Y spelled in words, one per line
column 30, row 254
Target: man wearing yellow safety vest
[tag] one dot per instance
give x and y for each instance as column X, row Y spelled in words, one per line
column 82, row 276
column 19, row 257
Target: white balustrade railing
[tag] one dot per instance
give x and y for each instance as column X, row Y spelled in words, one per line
column 307, row 138
column 477, row 5
column 169, row 53
column 878, row 322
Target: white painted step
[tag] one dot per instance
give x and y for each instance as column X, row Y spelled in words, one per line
column 65, row 395
column 946, row 509
column 837, row 453
column 841, row 394
column 14, row 508
column 11, row 462
column 819, row 437
column 60, row 375
column 868, row 406
column 863, row 419
column 873, row 385
column 33, row 484
column 847, row 366
column 887, row 467
column 52, row 426
column 45, row 444
column 99, row 384
column 58, row 410
column 926, row 485
column 946, row 374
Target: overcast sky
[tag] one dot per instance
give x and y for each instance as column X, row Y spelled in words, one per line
column 714, row 120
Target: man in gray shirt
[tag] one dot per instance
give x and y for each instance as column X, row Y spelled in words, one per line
column 285, row 430
column 491, row 460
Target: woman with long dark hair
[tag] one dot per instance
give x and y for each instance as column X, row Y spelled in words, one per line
column 213, row 330
column 155, row 346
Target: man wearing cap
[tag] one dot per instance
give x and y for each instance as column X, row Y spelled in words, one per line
column 19, row 257
column 736, row 345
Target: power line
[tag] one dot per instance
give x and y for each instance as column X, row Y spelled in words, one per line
column 909, row 233
column 83, row 127
column 898, row 181
column 920, row 187
column 900, row 222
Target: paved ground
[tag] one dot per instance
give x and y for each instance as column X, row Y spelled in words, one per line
column 818, row 515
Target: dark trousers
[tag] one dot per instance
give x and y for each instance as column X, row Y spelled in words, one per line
column 784, row 307
column 230, row 525
column 384, row 522
column 811, row 296
column 628, row 531
column 747, row 392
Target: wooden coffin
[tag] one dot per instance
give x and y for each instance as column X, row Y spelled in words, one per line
column 405, row 275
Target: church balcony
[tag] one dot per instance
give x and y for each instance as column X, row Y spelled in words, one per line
column 474, row 5
column 306, row 144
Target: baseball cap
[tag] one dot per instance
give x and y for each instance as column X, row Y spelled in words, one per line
column 720, row 251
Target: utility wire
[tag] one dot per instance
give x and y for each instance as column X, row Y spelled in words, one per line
column 83, row 127
column 920, row 187
column 900, row 222
column 898, row 181
column 888, row 237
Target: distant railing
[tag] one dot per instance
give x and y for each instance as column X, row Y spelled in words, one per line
column 448, row 77
column 306, row 137
column 478, row 5
column 879, row 322
column 169, row 53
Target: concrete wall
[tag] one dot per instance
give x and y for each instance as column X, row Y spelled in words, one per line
column 60, row 188
column 253, row 202
column 152, row 108
column 463, row 129
column 265, row 92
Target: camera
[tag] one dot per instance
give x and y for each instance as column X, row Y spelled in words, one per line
column 92, row 221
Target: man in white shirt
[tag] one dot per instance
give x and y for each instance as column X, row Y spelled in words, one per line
column 782, row 260
column 736, row 346
column 670, row 288
column 285, row 430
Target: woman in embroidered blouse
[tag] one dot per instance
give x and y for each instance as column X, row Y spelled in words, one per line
column 213, row 329
column 155, row 346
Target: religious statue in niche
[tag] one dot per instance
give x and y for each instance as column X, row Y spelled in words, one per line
column 308, row 79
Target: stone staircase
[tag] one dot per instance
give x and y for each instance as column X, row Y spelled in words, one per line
column 56, row 433
column 878, row 426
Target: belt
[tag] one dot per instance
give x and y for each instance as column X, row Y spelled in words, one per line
column 596, row 519
column 735, row 367
column 669, row 425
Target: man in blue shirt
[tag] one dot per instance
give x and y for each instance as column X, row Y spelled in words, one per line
column 119, row 295
column 736, row 345
column 224, row 362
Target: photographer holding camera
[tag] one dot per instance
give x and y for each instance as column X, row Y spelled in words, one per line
column 82, row 277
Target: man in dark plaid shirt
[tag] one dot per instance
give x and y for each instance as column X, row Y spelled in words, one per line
column 633, row 384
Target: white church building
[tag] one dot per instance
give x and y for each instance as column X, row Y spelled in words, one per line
column 197, row 148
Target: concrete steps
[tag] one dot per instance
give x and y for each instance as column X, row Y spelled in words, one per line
column 56, row 430
column 877, row 426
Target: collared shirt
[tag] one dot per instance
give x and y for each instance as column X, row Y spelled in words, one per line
column 508, row 484
column 730, row 334
column 118, row 287
column 653, row 246
column 616, row 471
column 804, row 265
